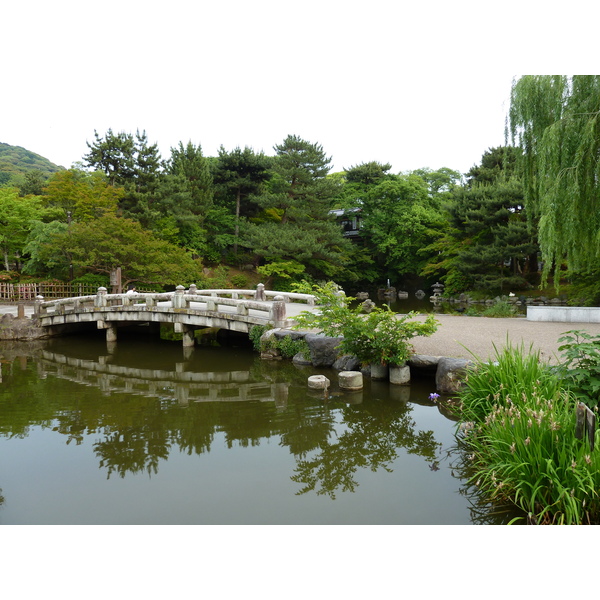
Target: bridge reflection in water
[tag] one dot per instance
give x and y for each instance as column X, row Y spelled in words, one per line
column 184, row 386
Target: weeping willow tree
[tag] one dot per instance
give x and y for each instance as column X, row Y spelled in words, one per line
column 555, row 120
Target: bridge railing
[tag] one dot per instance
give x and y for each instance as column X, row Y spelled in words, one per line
column 259, row 294
column 190, row 300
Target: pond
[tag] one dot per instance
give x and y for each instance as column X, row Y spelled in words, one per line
column 147, row 432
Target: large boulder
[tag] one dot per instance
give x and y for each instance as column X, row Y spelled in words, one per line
column 423, row 364
column 323, row 349
column 301, row 360
column 12, row 328
column 268, row 350
column 450, row 374
column 283, row 333
column 347, row 362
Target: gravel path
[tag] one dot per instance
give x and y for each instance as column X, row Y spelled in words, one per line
column 461, row 337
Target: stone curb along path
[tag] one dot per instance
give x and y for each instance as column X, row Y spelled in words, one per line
column 448, row 372
column 460, row 341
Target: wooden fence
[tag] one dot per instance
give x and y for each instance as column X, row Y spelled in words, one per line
column 19, row 292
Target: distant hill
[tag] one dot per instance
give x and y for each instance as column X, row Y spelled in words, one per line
column 16, row 161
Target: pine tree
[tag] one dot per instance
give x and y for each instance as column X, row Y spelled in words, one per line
column 238, row 175
column 132, row 163
column 296, row 223
column 488, row 245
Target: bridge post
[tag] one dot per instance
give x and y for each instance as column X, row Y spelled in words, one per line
column 259, row 296
column 278, row 314
column 37, row 307
column 100, row 299
column 188, row 337
column 178, row 298
column 111, row 332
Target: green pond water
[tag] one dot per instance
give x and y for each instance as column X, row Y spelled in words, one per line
column 145, row 432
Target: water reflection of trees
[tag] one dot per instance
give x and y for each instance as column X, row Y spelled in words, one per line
column 137, row 422
column 374, row 434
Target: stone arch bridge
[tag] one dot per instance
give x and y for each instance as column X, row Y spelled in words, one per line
column 187, row 310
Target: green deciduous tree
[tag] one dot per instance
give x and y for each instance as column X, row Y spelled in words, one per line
column 556, row 121
column 102, row 245
column 81, row 196
column 17, row 216
column 46, row 255
column 399, row 221
column 439, row 181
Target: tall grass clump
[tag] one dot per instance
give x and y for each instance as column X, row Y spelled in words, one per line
column 512, row 374
column 518, row 431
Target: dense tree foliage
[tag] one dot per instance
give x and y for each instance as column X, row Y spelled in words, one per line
column 296, row 226
column 556, row 121
column 108, row 242
column 81, row 196
column 239, row 175
column 440, row 181
column 488, row 244
column 399, row 220
column 162, row 221
column 17, row 216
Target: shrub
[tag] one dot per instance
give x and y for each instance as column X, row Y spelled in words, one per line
column 255, row 333
column 286, row 346
column 219, row 278
column 239, row 281
column 95, row 279
column 501, row 308
column 289, row 347
column 581, row 366
column 381, row 336
column 9, row 276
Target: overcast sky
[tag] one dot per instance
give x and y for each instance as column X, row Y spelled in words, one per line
column 415, row 84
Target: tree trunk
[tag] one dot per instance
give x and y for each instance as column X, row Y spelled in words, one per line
column 237, row 219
